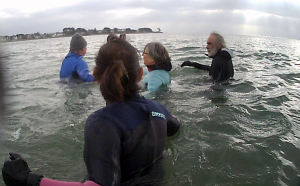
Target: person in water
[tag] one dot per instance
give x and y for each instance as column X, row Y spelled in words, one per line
column 123, row 140
column 158, row 62
column 73, row 65
column 221, row 68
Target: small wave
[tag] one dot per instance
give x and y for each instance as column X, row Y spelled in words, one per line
column 244, row 87
column 16, row 134
column 245, row 56
column 188, row 48
column 277, row 101
column 193, row 59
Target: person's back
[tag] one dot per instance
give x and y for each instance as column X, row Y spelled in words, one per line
column 156, row 78
column 129, row 134
column 137, row 141
column 73, row 66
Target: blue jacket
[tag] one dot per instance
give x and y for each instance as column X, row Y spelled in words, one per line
column 74, row 66
column 156, row 78
column 124, row 138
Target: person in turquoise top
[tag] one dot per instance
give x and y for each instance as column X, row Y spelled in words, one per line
column 158, row 62
column 73, row 65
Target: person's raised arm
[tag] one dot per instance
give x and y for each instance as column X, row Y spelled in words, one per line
column 196, row 65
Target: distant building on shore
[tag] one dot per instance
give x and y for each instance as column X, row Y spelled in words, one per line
column 69, row 31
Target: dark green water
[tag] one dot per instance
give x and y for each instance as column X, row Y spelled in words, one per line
column 246, row 132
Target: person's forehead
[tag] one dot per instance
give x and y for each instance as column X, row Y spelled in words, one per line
column 211, row 39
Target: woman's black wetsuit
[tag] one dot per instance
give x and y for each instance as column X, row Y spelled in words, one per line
column 124, row 138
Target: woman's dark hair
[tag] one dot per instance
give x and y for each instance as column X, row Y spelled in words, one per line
column 160, row 55
column 117, row 69
column 110, row 36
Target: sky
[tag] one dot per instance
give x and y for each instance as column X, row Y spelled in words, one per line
column 277, row 18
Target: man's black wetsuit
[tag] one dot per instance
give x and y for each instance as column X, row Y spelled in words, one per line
column 124, row 138
column 221, row 68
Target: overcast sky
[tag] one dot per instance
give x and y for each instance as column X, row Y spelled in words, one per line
column 279, row 18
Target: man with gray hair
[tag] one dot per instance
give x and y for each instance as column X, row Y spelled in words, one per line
column 221, row 68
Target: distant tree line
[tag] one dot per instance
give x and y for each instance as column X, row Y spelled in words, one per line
column 69, row 31
column 106, row 30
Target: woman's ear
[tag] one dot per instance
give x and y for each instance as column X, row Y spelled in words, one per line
column 153, row 61
column 141, row 73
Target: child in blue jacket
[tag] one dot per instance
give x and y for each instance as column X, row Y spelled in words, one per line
column 73, row 65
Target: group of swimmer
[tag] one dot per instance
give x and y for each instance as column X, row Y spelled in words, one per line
column 125, row 140
column 157, row 60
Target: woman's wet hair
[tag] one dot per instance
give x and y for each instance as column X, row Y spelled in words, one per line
column 160, row 55
column 111, row 36
column 117, row 69
column 123, row 36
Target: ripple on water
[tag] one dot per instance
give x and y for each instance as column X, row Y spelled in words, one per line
column 242, row 87
column 276, row 101
column 262, row 124
column 188, row 48
column 268, row 87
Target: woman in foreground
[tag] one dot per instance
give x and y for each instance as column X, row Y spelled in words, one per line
column 123, row 140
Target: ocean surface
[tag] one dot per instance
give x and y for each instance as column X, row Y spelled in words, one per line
column 245, row 132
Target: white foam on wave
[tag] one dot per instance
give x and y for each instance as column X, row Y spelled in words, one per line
column 16, row 134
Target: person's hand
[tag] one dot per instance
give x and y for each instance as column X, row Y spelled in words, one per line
column 16, row 172
column 186, row 63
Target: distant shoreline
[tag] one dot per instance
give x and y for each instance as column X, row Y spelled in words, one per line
column 17, row 40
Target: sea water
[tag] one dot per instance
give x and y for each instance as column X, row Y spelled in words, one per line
column 245, row 132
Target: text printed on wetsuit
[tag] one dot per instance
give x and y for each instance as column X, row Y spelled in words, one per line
column 157, row 114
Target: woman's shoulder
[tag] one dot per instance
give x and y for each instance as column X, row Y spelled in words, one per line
column 156, row 106
column 161, row 74
column 160, row 71
column 99, row 115
column 102, row 119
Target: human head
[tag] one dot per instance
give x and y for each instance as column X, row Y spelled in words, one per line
column 156, row 54
column 123, row 36
column 78, row 44
column 117, row 70
column 214, row 43
column 110, row 36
